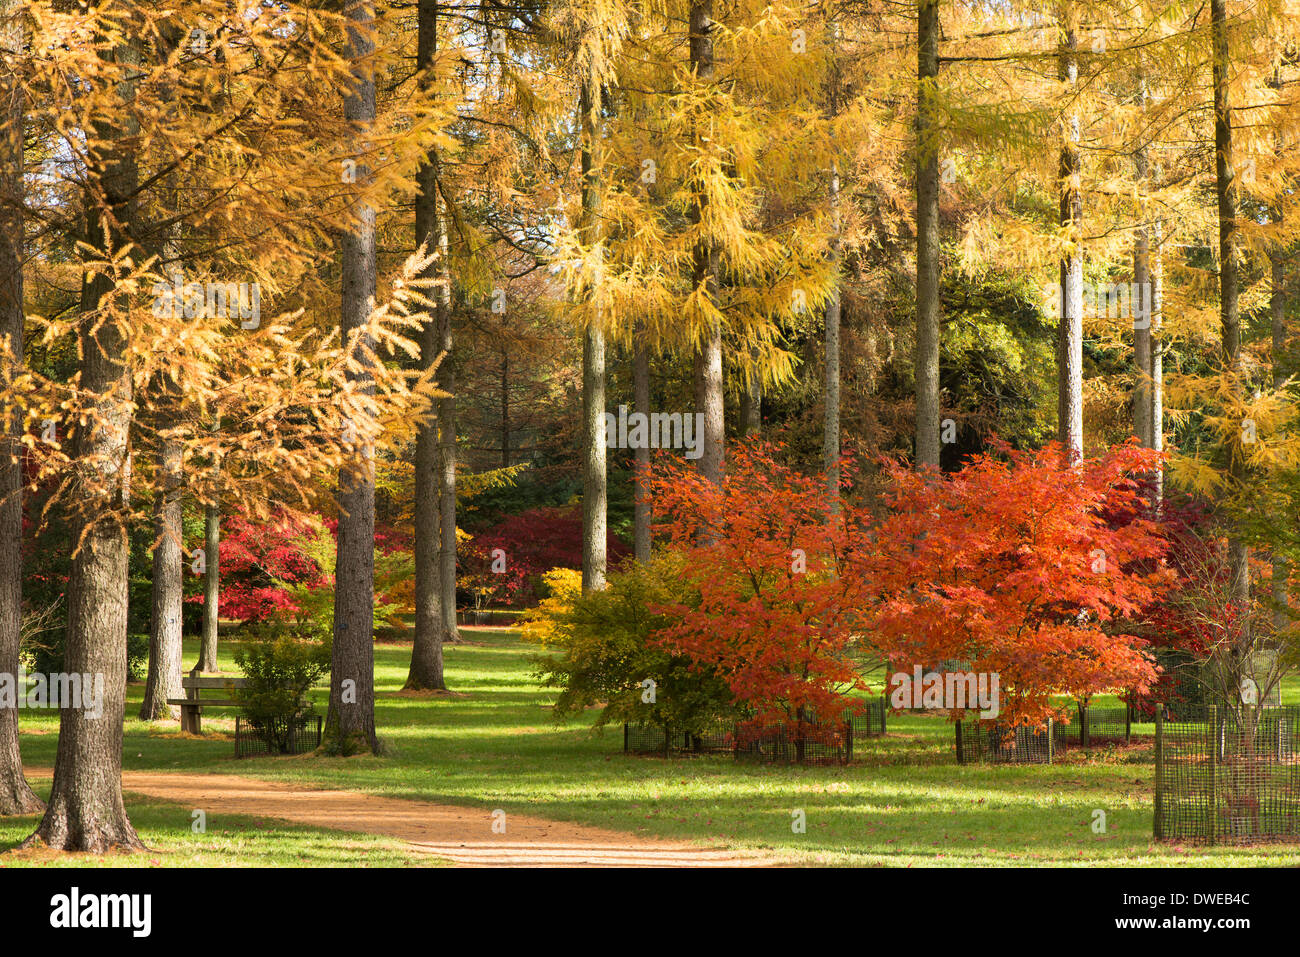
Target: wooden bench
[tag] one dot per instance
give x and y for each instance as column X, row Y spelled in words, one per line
column 193, row 702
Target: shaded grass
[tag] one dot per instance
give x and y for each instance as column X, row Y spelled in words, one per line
column 903, row 802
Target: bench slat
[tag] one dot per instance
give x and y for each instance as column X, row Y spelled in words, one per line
column 212, row 684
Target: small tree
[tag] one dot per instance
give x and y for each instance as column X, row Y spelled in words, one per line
column 279, row 669
column 767, row 555
column 1017, row 566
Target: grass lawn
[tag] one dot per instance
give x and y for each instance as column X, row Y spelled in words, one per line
column 903, row 802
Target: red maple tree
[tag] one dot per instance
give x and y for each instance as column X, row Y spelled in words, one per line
column 1017, row 566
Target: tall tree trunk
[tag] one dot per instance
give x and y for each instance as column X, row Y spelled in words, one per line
column 85, row 810
column 165, row 626
column 16, row 796
column 1069, row 339
column 831, row 430
column 641, row 397
column 927, row 236
column 426, row 672
column 1156, row 427
column 708, row 357
column 447, row 457
column 594, row 480
column 350, row 725
column 1142, row 336
column 505, row 409
column 1277, row 314
column 1229, row 317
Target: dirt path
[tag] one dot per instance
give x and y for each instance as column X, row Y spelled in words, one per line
column 459, row 834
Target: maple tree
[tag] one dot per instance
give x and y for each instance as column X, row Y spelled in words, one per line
column 769, row 561
column 1013, row 566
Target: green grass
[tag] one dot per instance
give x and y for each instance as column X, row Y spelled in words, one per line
column 904, row 801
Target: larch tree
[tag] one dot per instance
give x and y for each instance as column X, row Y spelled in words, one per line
column 16, row 795
column 927, row 236
column 426, row 671
column 350, row 724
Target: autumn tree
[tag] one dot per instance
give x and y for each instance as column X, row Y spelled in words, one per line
column 1018, row 566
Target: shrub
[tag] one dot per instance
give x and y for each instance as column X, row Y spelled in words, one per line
column 607, row 650
column 279, row 669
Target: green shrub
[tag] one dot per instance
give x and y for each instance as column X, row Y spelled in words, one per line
column 279, row 668
column 606, row 651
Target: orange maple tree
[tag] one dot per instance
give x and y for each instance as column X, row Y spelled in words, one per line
column 1022, row 566
column 768, row 558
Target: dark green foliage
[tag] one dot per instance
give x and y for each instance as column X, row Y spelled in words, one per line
column 606, row 640
column 279, row 669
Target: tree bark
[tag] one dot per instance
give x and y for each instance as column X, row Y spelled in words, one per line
column 426, row 672
column 641, row 515
column 505, row 409
column 16, row 795
column 1070, row 329
column 350, row 725
column 1229, row 315
column 595, row 491
column 165, row 624
column 831, row 431
column 447, row 464
column 211, row 588
column 927, row 237
column 751, row 406
column 85, row 810
column 709, row 397
column 1277, row 315
column 1156, row 428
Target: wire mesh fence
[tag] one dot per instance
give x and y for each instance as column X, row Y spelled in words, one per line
column 287, row 735
column 1232, row 777
column 1092, row 727
column 811, row 741
column 993, row 743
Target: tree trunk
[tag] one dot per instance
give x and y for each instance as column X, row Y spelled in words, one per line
column 211, row 587
column 165, row 627
column 751, row 406
column 447, row 468
column 709, row 398
column 16, row 796
column 1156, row 428
column 595, row 490
column 85, row 811
column 1142, row 342
column 350, row 725
column 1069, row 344
column 927, row 237
column 1229, row 317
column 505, row 409
column 1277, row 312
column 426, row 672
column 831, row 432
column 641, row 397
